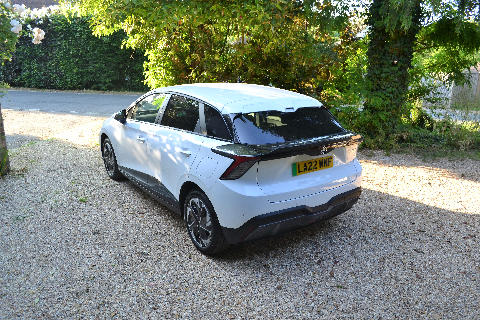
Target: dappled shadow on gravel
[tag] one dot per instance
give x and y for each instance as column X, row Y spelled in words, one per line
column 18, row 140
column 75, row 244
column 22, row 127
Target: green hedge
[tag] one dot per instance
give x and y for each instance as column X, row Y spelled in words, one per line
column 70, row 57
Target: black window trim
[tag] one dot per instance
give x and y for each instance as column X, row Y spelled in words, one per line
column 201, row 110
column 237, row 137
column 160, row 110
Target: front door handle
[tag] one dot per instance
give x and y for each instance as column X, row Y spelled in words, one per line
column 141, row 139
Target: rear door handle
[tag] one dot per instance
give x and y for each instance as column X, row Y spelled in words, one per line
column 141, row 139
column 186, row 152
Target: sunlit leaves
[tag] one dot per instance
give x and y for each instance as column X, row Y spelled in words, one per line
column 271, row 42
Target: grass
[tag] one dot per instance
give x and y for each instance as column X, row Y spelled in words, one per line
column 466, row 99
column 29, row 144
column 428, row 138
column 445, row 138
column 20, row 218
column 466, row 107
column 20, row 172
column 435, row 152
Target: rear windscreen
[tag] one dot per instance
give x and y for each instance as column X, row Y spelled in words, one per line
column 266, row 127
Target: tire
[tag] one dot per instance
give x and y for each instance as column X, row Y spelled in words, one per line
column 202, row 224
column 110, row 161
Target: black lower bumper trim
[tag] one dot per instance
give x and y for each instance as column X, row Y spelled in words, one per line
column 280, row 222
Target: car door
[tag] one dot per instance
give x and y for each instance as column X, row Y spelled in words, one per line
column 173, row 146
column 209, row 165
column 134, row 135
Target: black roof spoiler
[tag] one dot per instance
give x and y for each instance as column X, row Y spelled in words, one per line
column 312, row 147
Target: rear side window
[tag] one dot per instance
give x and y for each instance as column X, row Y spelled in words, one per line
column 181, row 113
column 215, row 124
column 276, row 126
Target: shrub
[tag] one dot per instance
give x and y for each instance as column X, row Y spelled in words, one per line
column 70, row 57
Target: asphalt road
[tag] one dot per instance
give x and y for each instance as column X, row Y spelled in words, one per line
column 91, row 104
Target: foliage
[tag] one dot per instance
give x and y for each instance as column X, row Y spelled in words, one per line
column 460, row 136
column 307, row 46
column 343, row 81
column 413, row 45
column 7, row 38
column 72, row 58
column 282, row 43
column 443, row 50
column 11, row 18
column 465, row 103
column 418, row 133
column 446, row 138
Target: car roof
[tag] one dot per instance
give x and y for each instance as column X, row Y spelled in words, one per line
column 243, row 97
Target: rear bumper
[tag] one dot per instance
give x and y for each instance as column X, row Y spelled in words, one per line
column 280, row 222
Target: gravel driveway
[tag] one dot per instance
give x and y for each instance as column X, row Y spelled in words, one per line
column 75, row 244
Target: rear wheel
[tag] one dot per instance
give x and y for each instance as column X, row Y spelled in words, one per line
column 110, row 160
column 202, row 224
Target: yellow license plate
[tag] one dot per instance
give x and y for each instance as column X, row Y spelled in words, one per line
column 299, row 168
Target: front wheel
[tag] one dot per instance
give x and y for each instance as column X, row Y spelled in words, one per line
column 110, row 160
column 202, row 224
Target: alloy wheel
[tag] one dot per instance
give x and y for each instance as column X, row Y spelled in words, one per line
column 109, row 158
column 199, row 222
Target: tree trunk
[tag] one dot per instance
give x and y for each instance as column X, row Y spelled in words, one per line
column 4, row 162
column 390, row 55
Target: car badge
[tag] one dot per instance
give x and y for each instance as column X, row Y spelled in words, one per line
column 324, row 150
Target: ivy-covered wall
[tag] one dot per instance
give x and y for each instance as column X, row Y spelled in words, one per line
column 70, row 57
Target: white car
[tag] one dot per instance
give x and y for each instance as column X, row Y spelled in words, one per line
column 239, row 162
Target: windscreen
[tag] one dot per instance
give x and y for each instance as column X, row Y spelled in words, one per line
column 266, row 127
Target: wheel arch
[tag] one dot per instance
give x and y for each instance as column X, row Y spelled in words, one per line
column 103, row 136
column 216, row 239
column 185, row 190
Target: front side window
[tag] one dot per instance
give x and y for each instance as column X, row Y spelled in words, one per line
column 147, row 109
column 267, row 127
column 181, row 113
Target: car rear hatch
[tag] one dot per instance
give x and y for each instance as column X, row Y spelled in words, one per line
column 288, row 175
column 296, row 153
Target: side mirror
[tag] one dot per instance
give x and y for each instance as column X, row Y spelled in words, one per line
column 121, row 116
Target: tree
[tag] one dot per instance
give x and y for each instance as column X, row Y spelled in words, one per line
column 389, row 56
column 397, row 30
column 281, row 42
column 443, row 50
column 10, row 28
column 8, row 38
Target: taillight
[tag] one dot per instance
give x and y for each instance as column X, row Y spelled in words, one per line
column 238, row 168
column 243, row 157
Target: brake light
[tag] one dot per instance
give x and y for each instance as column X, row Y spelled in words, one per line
column 243, row 157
